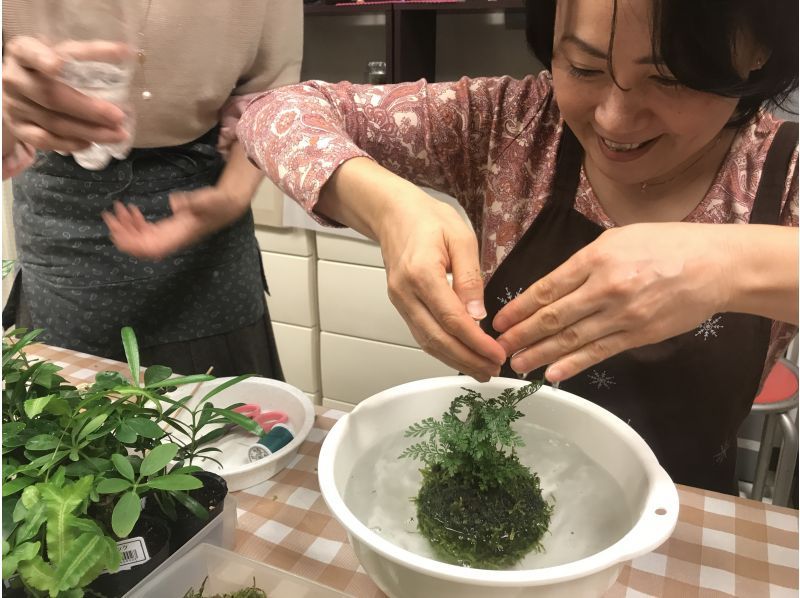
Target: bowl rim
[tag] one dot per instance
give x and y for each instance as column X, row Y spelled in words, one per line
column 300, row 435
column 662, row 496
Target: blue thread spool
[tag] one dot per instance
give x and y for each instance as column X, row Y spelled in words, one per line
column 278, row 437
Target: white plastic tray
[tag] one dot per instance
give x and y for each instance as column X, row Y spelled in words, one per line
column 220, row 532
column 225, row 571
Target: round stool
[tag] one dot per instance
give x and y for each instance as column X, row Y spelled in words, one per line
column 777, row 398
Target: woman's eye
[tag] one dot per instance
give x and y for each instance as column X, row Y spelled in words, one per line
column 667, row 82
column 582, row 73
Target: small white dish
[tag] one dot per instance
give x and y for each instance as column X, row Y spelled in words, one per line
column 234, row 465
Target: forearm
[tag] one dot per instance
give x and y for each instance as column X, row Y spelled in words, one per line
column 361, row 194
column 239, row 179
column 765, row 271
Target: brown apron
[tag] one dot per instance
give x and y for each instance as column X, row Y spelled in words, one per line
column 686, row 396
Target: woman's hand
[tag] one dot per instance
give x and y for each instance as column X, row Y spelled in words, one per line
column 633, row 286
column 422, row 240
column 48, row 114
column 421, row 243
column 195, row 214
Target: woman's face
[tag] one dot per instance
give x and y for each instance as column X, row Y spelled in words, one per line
column 647, row 132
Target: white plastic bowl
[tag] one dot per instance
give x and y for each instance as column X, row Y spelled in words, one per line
column 269, row 394
column 650, row 494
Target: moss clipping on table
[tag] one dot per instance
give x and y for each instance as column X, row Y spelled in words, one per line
column 251, row 592
column 478, row 505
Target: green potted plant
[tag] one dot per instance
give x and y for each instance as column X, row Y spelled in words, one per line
column 478, row 505
column 104, row 446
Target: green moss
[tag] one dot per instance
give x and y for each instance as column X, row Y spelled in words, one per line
column 251, row 592
column 478, row 505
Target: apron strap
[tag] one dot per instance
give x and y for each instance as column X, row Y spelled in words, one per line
column 767, row 203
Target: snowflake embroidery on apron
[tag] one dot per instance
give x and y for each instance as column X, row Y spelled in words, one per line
column 509, row 296
column 709, row 328
column 723, row 452
column 601, row 379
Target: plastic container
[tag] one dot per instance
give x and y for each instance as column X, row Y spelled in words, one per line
column 225, row 571
column 232, row 462
column 219, row 532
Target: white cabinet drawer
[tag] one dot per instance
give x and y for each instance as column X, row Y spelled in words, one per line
column 293, row 288
column 354, row 369
column 353, row 301
column 298, row 349
column 355, row 251
column 294, row 241
column 267, row 205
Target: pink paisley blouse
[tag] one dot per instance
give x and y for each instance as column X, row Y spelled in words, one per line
column 489, row 142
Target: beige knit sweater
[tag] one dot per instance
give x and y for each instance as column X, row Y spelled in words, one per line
column 201, row 57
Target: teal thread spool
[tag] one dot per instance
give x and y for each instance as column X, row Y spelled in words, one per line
column 278, row 437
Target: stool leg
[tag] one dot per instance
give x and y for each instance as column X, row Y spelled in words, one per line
column 764, row 454
column 784, row 473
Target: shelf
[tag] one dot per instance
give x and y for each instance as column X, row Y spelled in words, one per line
column 465, row 6
column 349, row 9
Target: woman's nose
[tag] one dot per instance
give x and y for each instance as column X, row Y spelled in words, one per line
column 621, row 111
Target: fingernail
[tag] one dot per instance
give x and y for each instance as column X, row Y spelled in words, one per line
column 553, row 373
column 476, row 309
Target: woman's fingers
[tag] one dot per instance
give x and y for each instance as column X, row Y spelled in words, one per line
column 565, row 341
column 466, row 270
column 33, row 92
column 31, row 53
column 442, row 345
column 23, row 111
column 40, row 138
column 591, row 354
column 560, row 282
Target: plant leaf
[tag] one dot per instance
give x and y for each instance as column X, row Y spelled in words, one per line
column 31, row 523
column 23, row 552
column 113, row 486
column 125, row 434
column 131, row 347
column 156, row 373
column 175, row 481
column 34, row 407
column 180, row 381
column 223, row 386
column 59, row 504
column 145, row 427
column 93, row 425
column 194, row 507
column 126, row 514
column 16, row 485
column 39, row 575
column 240, row 420
column 158, row 458
column 84, row 554
column 123, row 466
column 42, row 442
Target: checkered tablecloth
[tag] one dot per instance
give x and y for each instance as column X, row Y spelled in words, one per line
column 722, row 545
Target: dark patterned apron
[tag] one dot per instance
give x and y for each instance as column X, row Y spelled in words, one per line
column 686, row 396
column 81, row 290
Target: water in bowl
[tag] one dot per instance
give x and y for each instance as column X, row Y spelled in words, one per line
column 591, row 511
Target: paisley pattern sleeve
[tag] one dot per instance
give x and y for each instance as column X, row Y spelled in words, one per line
column 440, row 135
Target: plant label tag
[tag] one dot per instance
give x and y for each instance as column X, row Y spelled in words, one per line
column 133, row 551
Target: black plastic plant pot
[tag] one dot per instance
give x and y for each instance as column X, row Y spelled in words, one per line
column 156, row 534
column 211, row 496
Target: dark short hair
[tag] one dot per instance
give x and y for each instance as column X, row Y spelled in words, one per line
column 696, row 38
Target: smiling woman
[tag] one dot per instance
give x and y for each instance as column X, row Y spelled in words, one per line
column 602, row 194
